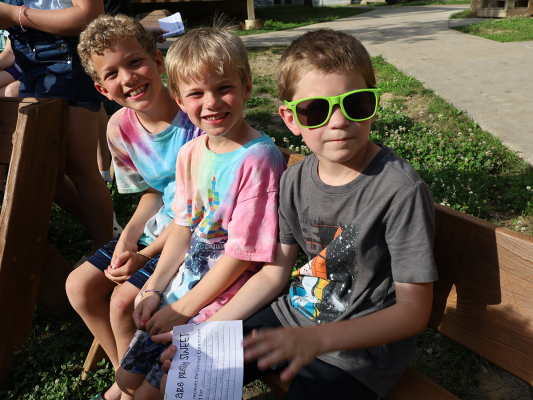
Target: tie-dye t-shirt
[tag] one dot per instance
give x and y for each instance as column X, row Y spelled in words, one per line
column 143, row 160
column 230, row 203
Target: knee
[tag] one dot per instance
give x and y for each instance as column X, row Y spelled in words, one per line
column 122, row 302
column 128, row 382
column 74, row 287
column 12, row 90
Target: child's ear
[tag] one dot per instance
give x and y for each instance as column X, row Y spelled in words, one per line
column 288, row 117
column 247, row 90
column 180, row 104
column 101, row 88
column 160, row 62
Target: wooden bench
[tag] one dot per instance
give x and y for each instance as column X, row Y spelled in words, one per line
column 483, row 299
column 33, row 144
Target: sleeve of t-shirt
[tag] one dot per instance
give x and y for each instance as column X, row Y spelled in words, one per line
column 128, row 178
column 286, row 208
column 253, row 225
column 410, row 231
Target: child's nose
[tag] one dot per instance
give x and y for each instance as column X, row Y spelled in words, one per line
column 211, row 100
column 128, row 77
column 338, row 119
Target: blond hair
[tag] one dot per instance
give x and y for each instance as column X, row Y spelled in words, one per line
column 99, row 35
column 214, row 51
column 325, row 51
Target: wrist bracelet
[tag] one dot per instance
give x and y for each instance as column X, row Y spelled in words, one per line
column 144, row 255
column 20, row 17
column 153, row 290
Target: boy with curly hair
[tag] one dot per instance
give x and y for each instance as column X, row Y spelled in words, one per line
column 144, row 138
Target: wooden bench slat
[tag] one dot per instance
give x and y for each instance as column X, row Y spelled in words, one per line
column 415, row 386
column 484, row 296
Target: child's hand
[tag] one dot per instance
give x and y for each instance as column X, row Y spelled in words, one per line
column 123, row 245
column 166, row 357
column 129, row 263
column 164, row 320
column 144, row 310
column 272, row 346
column 157, row 33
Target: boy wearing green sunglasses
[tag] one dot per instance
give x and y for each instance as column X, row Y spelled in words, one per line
column 365, row 220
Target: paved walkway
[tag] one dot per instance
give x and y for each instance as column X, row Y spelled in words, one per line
column 492, row 81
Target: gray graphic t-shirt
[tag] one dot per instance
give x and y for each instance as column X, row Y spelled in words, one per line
column 360, row 238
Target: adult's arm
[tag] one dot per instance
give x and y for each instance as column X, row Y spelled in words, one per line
column 7, row 58
column 66, row 22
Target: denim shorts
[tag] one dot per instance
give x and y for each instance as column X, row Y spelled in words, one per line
column 51, row 67
column 102, row 258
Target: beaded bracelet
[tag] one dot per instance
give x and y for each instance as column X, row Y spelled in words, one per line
column 153, row 290
column 20, row 17
column 144, row 255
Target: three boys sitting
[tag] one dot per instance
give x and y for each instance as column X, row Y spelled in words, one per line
column 360, row 213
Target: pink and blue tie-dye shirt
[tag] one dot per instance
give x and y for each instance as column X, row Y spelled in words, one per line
column 230, row 203
column 143, row 160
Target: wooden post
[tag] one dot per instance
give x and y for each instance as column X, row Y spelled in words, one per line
column 25, row 216
column 251, row 9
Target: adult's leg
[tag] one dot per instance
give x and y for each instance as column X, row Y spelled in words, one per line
column 12, row 90
column 82, row 169
column 103, row 156
column 88, row 292
column 5, row 79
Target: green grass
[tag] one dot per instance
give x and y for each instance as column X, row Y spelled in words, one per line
column 465, row 167
column 421, row 3
column 279, row 18
column 514, row 29
column 466, row 13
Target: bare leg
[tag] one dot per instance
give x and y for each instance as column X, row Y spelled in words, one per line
column 5, row 79
column 12, row 90
column 148, row 392
column 82, row 169
column 128, row 381
column 122, row 325
column 103, row 156
column 88, row 290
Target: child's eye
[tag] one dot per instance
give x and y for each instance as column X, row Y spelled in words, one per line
column 135, row 61
column 225, row 88
column 110, row 75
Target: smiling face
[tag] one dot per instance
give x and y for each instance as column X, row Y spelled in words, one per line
column 339, row 141
column 128, row 74
column 216, row 104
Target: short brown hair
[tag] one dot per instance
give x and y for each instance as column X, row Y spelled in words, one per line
column 99, row 35
column 325, row 51
column 205, row 51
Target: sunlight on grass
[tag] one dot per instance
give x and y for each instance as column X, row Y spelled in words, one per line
column 514, row 29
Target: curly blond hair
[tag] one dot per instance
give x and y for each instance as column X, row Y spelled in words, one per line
column 99, row 35
column 204, row 51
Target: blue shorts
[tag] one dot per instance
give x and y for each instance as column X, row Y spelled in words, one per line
column 102, row 258
column 51, row 67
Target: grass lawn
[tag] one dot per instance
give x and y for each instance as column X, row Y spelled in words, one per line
column 514, row 29
column 422, row 3
column 279, row 18
column 465, row 167
column 466, row 13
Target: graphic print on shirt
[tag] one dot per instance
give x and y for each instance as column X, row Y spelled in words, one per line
column 330, row 275
column 209, row 229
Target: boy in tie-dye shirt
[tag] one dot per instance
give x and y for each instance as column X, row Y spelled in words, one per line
column 144, row 139
column 225, row 205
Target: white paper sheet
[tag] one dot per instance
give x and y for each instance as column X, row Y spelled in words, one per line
column 173, row 24
column 209, row 362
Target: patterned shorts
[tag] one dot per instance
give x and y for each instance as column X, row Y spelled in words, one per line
column 143, row 357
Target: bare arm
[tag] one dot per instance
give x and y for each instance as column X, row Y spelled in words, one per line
column 408, row 317
column 7, row 58
column 261, row 288
column 67, row 22
column 172, row 256
column 225, row 271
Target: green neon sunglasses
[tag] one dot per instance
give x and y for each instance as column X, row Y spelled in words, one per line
column 313, row 112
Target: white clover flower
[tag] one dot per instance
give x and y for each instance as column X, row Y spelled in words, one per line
column 523, row 228
column 459, row 133
column 469, row 130
column 273, row 139
column 297, row 149
column 471, row 192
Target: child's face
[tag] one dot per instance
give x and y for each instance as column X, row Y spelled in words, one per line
column 216, row 104
column 129, row 75
column 339, row 140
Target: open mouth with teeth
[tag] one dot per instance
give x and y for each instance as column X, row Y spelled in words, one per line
column 137, row 91
column 216, row 117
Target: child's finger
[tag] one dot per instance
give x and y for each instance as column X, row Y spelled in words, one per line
column 120, row 259
column 162, row 337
